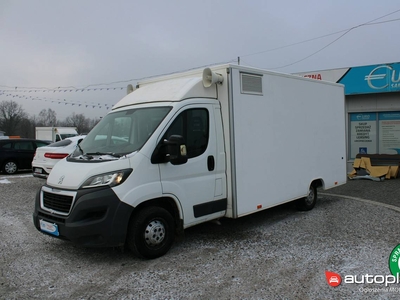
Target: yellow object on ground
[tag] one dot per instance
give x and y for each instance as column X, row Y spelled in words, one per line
column 362, row 168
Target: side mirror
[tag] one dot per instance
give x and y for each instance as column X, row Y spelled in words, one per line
column 176, row 149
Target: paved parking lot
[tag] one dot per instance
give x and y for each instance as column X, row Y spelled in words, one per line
column 276, row 254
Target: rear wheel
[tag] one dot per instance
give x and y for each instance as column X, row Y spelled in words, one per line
column 308, row 203
column 151, row 232
column 10, row 167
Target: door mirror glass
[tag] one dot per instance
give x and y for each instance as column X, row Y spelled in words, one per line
column 176, row 150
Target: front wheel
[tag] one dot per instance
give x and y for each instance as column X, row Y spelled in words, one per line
column 308, row 203
column 151, row 232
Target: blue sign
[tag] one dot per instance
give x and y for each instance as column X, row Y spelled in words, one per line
column 372, row 79
column 362, row 117
column 362, row 150
column 385, row 116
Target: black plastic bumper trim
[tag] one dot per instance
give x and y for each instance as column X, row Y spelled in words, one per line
column 209, row 207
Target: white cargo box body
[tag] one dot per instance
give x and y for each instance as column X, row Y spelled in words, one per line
column 285, row 131
column 44, row 133
column 55, row 133
column 281, row 132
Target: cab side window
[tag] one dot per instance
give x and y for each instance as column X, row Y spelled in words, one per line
column 192, row 125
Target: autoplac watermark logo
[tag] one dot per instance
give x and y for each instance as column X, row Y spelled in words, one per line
column 382, row 283
column 394, row 261
column 388, row 282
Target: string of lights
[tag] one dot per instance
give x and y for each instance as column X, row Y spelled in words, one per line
column 53, row 96
column 58, row 90
column 62, row 101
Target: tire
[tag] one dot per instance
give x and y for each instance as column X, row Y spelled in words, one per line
column 151, row 232
column 308, row 203
column 10, row 167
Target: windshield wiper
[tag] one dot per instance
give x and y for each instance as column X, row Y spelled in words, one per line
column 104, row 153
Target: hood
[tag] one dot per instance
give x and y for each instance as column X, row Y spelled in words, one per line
column 71, row 175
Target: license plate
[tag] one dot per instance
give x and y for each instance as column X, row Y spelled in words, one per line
column 38, row 170
column 48, row 227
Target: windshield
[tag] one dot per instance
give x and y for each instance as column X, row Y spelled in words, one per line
column 122, row 132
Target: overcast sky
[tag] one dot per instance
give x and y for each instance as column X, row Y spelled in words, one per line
column 82, row 44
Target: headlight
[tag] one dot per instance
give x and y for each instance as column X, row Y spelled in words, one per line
column 110, row 179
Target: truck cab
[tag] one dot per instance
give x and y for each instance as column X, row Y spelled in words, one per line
column 151, row 166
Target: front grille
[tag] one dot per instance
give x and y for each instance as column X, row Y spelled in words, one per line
column 56, row 202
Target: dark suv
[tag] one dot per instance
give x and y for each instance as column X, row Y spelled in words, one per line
column 18, row 154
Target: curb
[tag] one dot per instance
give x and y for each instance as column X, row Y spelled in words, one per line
column 392, row 207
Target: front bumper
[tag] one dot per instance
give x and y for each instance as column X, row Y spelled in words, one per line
column 96, row 218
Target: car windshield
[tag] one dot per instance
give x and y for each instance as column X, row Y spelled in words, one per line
column 122, row 132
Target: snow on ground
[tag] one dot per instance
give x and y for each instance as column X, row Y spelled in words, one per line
column 5, row 180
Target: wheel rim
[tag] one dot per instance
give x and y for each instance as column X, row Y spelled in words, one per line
column 154, row 233
column 10, row 167
column 310, row 197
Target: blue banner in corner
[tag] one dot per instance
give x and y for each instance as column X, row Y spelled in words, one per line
column 372, row 79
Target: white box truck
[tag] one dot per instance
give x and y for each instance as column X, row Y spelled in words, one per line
column 227, row 141
column 55, row 134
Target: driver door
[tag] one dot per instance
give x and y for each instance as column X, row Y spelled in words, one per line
column 196, row 183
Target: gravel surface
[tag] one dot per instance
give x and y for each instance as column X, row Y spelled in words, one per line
column 275, row 254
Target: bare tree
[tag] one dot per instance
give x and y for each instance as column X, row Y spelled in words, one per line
column 11, row 115
column 26, row 128
column 47, row 118
column 79, row 121
column 92, row 123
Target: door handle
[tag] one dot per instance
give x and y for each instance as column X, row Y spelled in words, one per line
column 210, row 163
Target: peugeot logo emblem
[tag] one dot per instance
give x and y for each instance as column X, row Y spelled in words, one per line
column 60, row 181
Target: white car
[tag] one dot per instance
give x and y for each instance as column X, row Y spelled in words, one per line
column 46, row 157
